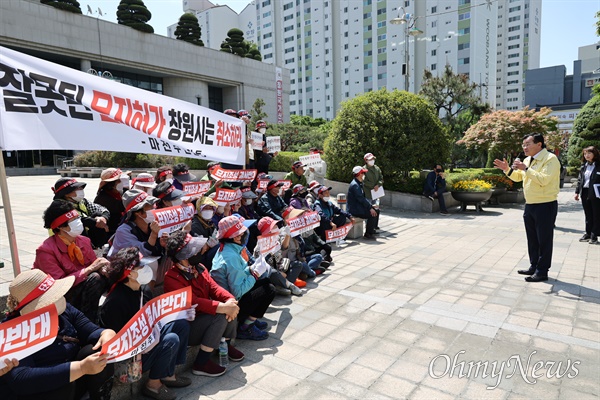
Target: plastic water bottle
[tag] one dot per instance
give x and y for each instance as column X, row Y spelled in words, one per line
column 223, row 353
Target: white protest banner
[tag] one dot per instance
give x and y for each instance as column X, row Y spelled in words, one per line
column 256, row 139
column 311, row 160
column 48, row 106
column 286, row 184
column 304, row 223
column 143, row 328
column 233, row 175
column 339, row 233
column 262, row 184
column 196, row 188
column 268, row 243
column 375, row 194
column 173, row 218
column 227, row 196
column 22, row 336
column 274, row 144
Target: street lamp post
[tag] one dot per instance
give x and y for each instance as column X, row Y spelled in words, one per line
column 408, row 20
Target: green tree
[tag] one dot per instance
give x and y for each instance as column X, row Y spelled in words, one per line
column 598, row 24
column 256, row 112
column 134, row 14
column 188, row 29
column 306, row 120
column 588, row 112
column 400, row 128
column 501, row 132
column 67, row 5
column 253, row 51
column 298, row 137
column 234, row 43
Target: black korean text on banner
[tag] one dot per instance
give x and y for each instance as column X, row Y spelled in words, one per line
column 22, row 336
column 335, row 234
column 143, row 329
column 196, row 188
column 227, row 196
column 257, row 140
column 268, row 243
column 274, row 144
column 286, row 184
column 234, row 175
column 311, row 160
column 72, row 110
column 304, row 223
column 173, row 218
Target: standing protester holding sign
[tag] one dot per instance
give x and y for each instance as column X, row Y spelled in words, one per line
column 589, row 176
column 94, row 216
column 373, row 180
column 263, row 158
column 71, row 365
column 124, row 300
column 540, row 173
column 358, row 204
column 68, row 253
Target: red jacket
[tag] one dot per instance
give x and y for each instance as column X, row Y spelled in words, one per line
column 52, row 258
column 205, row 291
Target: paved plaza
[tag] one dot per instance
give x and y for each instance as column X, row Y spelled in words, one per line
column 394, row 319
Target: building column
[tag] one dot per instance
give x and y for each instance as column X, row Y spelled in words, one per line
column 86, row 65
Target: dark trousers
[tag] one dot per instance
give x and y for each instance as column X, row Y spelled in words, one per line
column 372, row 222
column 591, row 209
column 86, row 295
column 440, row 197
column 256, row 301
column 539, row 222
column 169, row 352
column 208, row 330
column 98, row 386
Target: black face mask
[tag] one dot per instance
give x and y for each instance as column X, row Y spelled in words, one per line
column 302, row 195
column 196, row 259
column 438, row 170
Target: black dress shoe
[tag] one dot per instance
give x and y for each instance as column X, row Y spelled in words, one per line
column 584, row 238
column 529, row 271
column 536, row 278
column 369, row 236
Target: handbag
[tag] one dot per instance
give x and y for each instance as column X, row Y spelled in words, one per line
column 129, row 371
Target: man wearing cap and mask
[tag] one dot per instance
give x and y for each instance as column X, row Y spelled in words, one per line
column 72, row 364
column 332, row 216
column 109, row 195
column 68, row 253
column 271, row 204
column 358, row 204
column 216, row 308
column 181, row 174
column 94, row 216
column 131, row 274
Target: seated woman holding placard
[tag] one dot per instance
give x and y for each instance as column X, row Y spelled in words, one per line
column 69, row 366
column 131, row 274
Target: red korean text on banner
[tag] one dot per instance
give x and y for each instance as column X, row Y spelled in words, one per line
column 196, row 188
column 257, row 141
column 227, row 196
column 262, row 184
column 21, row 337
column 304, row 223
column 311, row 160
column 234, row 175
column 286, row 184
column 173, row 218
column 268, row 243
column 339, row 233
column 143, row 330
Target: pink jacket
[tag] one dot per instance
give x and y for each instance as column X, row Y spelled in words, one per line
column 52, row 258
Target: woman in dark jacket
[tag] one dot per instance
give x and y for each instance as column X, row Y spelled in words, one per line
column 71, row 365
column 589, row 176
column 109, row 195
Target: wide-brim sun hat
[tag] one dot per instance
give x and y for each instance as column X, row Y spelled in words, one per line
column 230, row 227
column 50, row 289
column 191, row 246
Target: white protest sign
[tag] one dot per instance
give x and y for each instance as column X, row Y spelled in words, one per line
column 339, row 233
column 274, row 144
column 268, row 243
column 173, row 218
column 256, row 139
column 304, row 223
column 311, row 160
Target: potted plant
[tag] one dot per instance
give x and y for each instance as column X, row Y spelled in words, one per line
column 471, row 191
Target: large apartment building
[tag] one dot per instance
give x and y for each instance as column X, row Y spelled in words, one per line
column 337, row 49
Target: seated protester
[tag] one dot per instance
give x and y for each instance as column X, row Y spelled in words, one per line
column 435, row 186
column 216, row 308
column 181, row 174
column 139, row 228
column 164, row 174
column 68, row 253
column 314, row 244
column 94, row 216
column 298, row 199
column 271, row 204
column 167, row 195
column 231, row 271
column 311, row 264
column 297, row 177
column 312, row 195
column 126, row 181
column 248, row 212
column 221, row 212
column 124, row 300
column 203, row 227
column 332, row 216
column 109, row 195
column 358, row 204
column 282, row 273
column 259, row 176
column 144, row 182
column 72, row 364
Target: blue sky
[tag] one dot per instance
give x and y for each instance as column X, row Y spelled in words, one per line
column 566, row 24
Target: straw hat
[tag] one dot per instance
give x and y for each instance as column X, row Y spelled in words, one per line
column 51, row 290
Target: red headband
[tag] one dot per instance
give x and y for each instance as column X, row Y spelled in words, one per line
column 269, row 187
column 169, row 190
column 136, row 200
column 116, row 173
column 145, row 179
column 185, row 171
column 63, row 218
column 64, row 185
column 165, row 173
column 238, row 225
column 37, row 292
column 188, row 237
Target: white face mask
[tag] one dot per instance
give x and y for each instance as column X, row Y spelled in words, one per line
column 119, row 187
column 262, row 130
column 125, row 181
column 76, row 227
column 144, row 275
column 149, row 217
column 248, row 202
column 176, row 202
column 207, row 214
column 79, row 195
column 220, row 210
column 326, row 199
column 370, row 163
